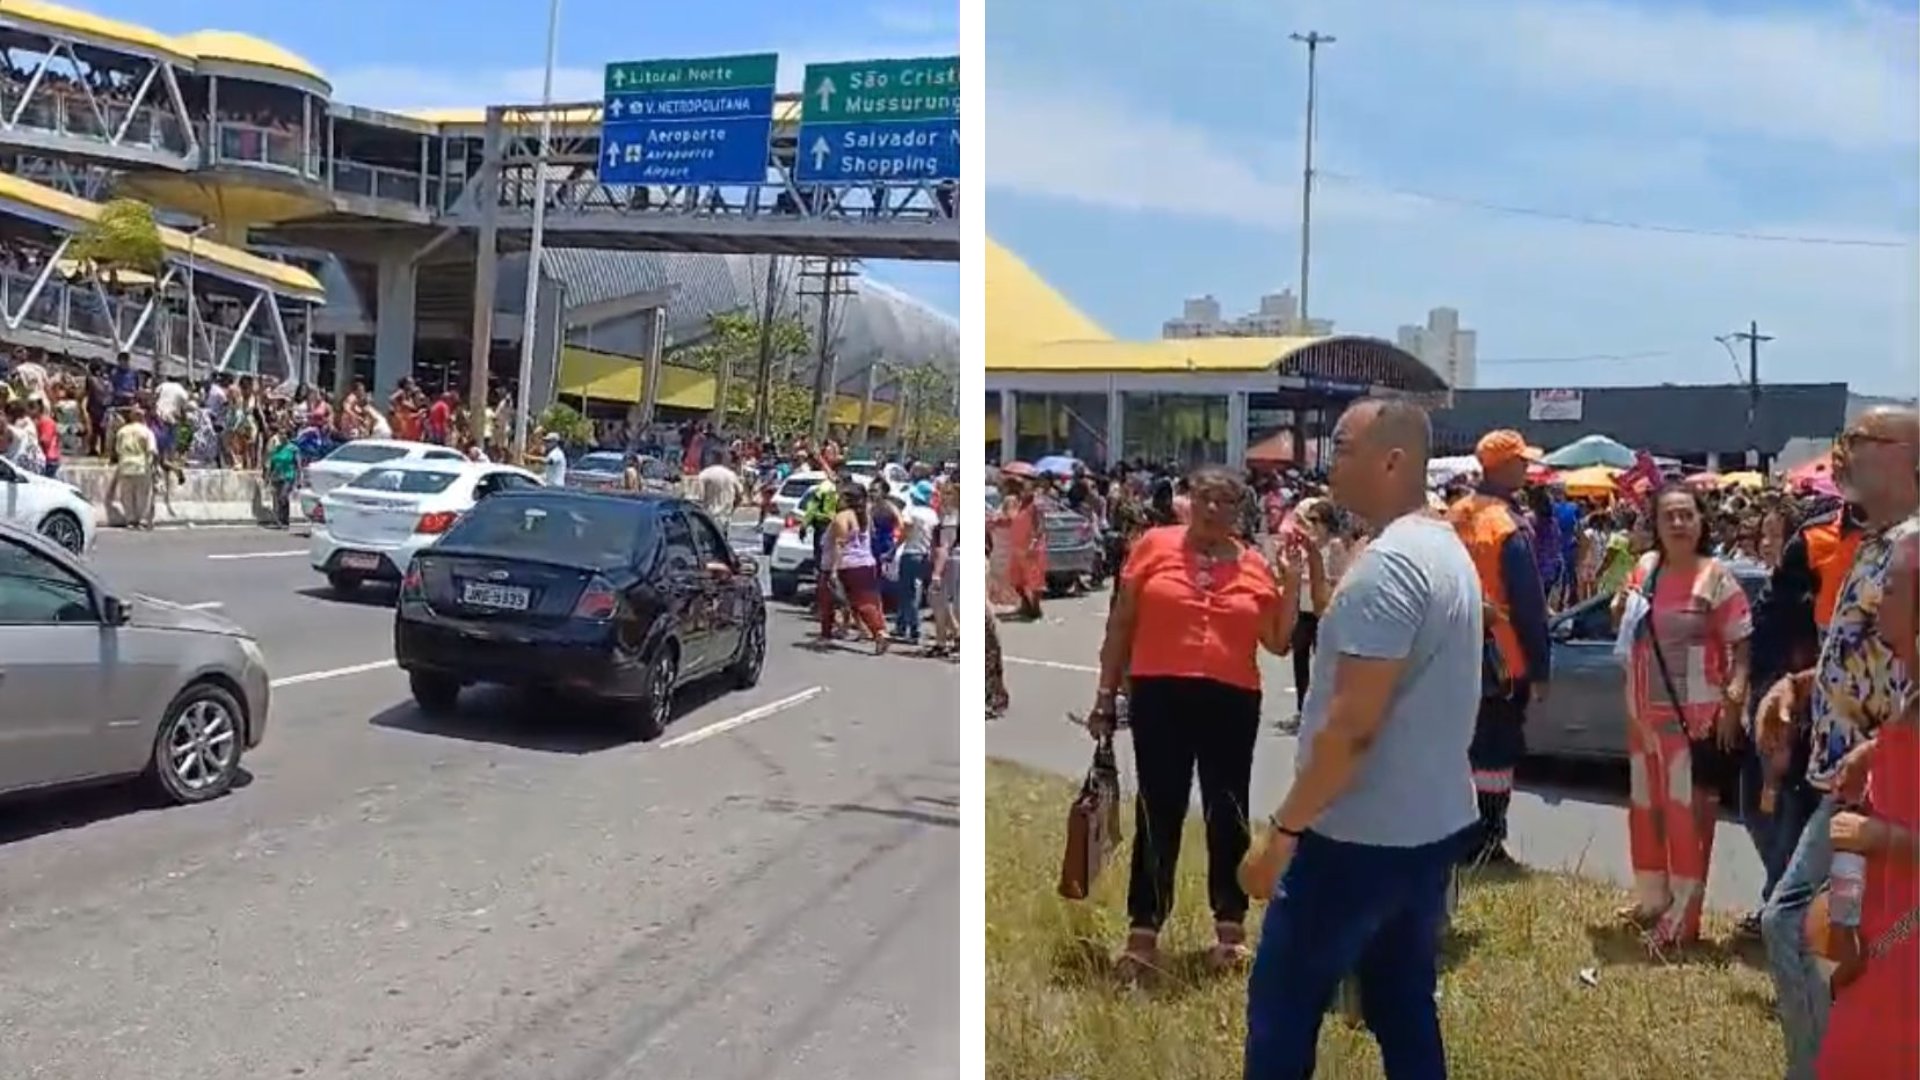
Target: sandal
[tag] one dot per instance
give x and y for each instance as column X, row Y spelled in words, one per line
column 1140, row 960
column 1230, row 951
column 1638, row 916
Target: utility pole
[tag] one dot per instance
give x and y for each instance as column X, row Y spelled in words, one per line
column 763, row 375
column 1312, row 39
column 1753, row 337
column 826, row 280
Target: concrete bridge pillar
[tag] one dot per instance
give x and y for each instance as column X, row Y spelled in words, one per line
column 393, row 329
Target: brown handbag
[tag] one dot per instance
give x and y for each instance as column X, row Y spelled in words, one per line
column 1093, row 824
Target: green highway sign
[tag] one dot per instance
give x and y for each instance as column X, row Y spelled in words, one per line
column 881, row 91
column 709, row 73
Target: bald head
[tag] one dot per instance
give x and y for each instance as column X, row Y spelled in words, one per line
column 1898, row 422
column 1392, row 424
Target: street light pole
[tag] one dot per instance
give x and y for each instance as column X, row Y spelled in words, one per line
column 1312, row 39
column 535, row 249
column 193, row 332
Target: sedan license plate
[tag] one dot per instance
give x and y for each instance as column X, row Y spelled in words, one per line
column 359, row 560
column 501, row 597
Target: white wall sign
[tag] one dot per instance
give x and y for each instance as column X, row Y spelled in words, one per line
column 1555, row 405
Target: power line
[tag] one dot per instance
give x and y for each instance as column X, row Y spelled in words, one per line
column 1610, row 223
column 1591, row 358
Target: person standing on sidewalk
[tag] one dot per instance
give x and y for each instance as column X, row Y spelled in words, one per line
column 136, row 453
column 1858, row 683
column 1360, row 854
column 1517, row 655
column 919, row 525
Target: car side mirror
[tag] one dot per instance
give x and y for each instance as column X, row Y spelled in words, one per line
column 1562, row 631
column 749, row 565
column 114, row 611
column 719, row 570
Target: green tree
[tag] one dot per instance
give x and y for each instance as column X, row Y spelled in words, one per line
column 124, row 237
column 561, row 419
column 932, row 409
column 733, row 339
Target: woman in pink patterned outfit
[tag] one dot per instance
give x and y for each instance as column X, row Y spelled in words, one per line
column 1686, row 700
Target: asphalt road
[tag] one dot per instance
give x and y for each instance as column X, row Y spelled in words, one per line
column 1573, row 819
column 512, row 894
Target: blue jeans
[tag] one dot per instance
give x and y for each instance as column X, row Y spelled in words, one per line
column 1341, row 909
column 1774, row 835
column 1801, row 992
column 915, row 570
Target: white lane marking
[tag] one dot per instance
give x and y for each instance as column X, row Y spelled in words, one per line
column 1055, row 664
column 761, row 713
column 331, row 673
column 285, row 554
column 206, row 605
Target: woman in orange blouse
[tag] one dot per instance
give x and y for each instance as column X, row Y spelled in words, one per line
column 1193, row 608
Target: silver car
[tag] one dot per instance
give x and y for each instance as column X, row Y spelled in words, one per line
column 1585, row 714
column 98, row 685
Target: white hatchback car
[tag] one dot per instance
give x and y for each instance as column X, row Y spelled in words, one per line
column 371, row 527
column 53, row 508
column 350, row 459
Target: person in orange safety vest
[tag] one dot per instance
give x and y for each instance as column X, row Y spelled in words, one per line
column 1519, row 659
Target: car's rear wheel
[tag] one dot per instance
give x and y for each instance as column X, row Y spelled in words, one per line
column 655, row 708
column 752, row 656
column 64, row 529
column 342, row 582
column 196, row 752
column 437, row 695
column 784, row 586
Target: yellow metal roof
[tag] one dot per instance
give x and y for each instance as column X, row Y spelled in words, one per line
column 784, row 112
column 1024, row 312
column 236, row 48
column 290, row 280
column 1217, row 355
column 57, row 18
column 588, row 373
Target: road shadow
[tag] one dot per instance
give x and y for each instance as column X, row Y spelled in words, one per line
column 29, row 815
column 543, row 722
column 372, row 594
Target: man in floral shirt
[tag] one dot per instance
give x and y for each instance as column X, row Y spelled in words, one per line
column 1857, row 684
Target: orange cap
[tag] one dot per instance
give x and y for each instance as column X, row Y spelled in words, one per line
column 1497, row 448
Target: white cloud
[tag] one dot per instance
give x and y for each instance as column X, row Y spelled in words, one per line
column 1837, row 74
column 1088, row 146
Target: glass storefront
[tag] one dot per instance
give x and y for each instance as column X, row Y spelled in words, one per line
column 1189, row 430
column 990, row 421
column 1292, row 426
column 1071, row 424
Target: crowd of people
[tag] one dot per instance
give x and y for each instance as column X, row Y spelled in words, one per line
column 1417, row 618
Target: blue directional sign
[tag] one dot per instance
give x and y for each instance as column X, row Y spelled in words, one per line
column 879, row 121
column 705, row 121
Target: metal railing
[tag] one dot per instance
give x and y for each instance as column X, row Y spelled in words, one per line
column 383, row 182
column 262, row 148
column 76, row 311
column 900, row 202
column 72, row 116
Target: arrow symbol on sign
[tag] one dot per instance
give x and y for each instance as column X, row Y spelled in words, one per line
column 619, row 77
column 617, row 107
column 613, row 154
column 825, row 92
column 821, row 152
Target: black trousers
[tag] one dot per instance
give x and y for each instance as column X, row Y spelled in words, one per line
column 1181, row 726
column 1306, row 637
column 1499, row 744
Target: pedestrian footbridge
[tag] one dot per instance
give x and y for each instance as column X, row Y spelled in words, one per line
column 243, row 133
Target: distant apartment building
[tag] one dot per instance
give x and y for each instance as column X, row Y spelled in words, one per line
column 1277, row 316
column 1444, row 347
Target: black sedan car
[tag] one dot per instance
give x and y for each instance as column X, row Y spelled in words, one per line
column 623, row 598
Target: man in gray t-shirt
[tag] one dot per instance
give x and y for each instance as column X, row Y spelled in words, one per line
column 1359, row 856
column 1412, row 596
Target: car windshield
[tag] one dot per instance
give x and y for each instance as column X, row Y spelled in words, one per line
column 362, row 454
column 596, row 533
column 403, row 481
column 796, row 489
column 600, row 462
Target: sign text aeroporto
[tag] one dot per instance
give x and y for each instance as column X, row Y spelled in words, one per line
column 699, row 121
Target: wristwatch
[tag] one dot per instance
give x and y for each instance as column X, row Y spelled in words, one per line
column 1274, row 822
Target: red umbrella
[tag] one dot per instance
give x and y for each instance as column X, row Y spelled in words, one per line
column 1703, row 481
column 1815, row 475
column 1541, row 474
column 1020, row 469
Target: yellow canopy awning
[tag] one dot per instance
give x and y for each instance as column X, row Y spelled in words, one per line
column 598, row 376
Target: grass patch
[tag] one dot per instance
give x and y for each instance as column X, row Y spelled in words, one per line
column 1513, row 1005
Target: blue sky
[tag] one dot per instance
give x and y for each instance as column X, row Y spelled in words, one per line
column 1142, row 153
column 382, row 53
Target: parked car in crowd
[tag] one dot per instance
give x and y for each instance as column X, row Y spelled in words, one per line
column 371, row 527
column 350, row 459
column 606, row 470
column 99, row 685
column 1076, row 551
column 1585, row 716
column 53, row 508
column 621, row 598
column 790, row 565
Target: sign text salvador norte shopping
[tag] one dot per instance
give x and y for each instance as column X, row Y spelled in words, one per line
column 880, row 120
column 705, row 121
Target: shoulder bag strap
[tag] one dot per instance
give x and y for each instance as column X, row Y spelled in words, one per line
column 1653, row 644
